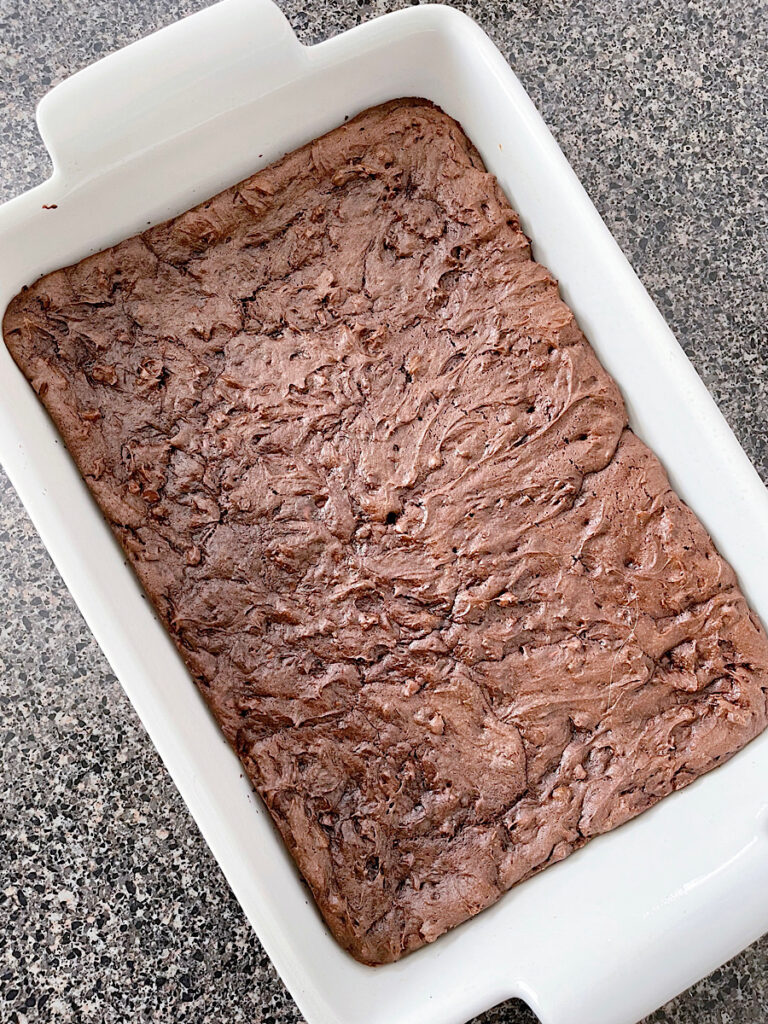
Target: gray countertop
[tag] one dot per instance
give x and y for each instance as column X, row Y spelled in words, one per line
column 111, row 907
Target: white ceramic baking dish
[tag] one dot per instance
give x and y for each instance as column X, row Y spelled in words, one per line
column 638, row 915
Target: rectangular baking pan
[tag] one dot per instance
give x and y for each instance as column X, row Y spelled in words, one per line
column 623, row 925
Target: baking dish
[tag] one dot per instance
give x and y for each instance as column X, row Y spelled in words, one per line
column 616, row 929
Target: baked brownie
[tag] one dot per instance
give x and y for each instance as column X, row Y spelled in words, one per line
column 441, row 600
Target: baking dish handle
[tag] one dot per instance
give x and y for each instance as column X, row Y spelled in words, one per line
column 167, row 84
column 566, row 1001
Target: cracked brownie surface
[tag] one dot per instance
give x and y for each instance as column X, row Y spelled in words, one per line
column 441, row 600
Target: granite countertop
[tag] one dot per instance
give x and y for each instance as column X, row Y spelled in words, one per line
column 111, row 907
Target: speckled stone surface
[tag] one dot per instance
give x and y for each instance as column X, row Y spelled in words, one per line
column 111, row 907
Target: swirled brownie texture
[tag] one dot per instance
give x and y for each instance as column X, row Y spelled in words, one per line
column 441, row 600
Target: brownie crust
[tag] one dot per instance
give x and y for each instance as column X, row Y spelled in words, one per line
column 441, row 600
